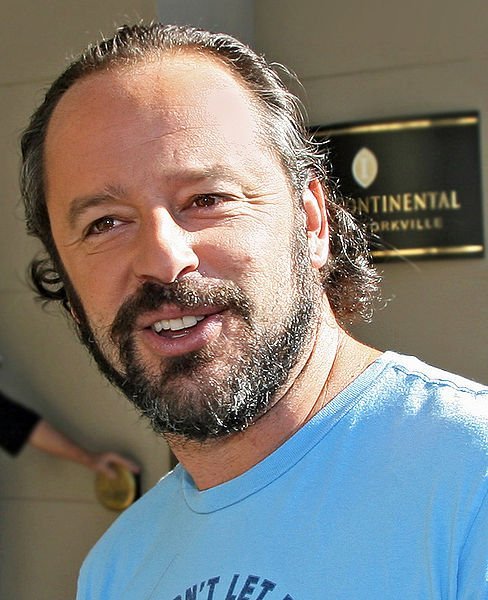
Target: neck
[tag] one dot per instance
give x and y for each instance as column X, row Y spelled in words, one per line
column 334, row 360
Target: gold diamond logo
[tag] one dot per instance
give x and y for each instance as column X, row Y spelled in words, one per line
column 365, row 167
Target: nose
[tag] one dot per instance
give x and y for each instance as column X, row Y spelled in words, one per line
column 164, row 251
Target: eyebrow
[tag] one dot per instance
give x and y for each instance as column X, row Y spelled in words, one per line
column 81, row 204
column 114, row 193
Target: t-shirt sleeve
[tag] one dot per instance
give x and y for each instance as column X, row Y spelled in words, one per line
column 16, row 424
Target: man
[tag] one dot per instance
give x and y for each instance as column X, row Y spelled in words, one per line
column 210, row 268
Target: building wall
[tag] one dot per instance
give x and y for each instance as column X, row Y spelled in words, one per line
column 231, row 16
column 368, row 60
column 357, row 61
column 49, row 516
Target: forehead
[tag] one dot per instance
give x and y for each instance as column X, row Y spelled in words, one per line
column 170, row 94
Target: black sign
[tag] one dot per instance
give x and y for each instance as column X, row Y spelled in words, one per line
column 415, row 181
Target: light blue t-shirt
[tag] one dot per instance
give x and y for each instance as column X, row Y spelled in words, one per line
column 382, row 495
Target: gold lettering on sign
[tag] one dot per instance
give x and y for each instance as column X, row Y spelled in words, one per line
column 406, row 202
column 401, row 225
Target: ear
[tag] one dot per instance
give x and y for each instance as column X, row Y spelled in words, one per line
column 313, row 199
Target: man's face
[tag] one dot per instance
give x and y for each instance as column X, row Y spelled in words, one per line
column 186, row 255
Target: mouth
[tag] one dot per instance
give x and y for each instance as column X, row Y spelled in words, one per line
column 181, row 332
column 180, row 324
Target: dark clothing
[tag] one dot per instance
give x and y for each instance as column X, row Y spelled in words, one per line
column 16, row 424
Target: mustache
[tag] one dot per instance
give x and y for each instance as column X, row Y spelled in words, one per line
column 190, row 293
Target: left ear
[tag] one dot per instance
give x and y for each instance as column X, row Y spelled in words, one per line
column 313, row 199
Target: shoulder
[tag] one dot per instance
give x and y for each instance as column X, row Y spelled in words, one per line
column 420, row 385
column 118, row 551
column 430, row 411
column 425, row 407
column 413, row 367
column 427, row 428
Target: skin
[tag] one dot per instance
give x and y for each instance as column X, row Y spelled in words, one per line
column 48, row 439
column 157, row 172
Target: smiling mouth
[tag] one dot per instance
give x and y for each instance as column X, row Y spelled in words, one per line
column 178, row 324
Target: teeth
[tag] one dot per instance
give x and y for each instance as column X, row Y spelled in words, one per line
column 160, row 325
column 176, row 324
column 189, row 321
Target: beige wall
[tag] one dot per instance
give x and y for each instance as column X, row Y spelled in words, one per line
column 49, row 517
column 365, row 60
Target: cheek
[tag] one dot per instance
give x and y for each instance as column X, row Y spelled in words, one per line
column 101, row 286
column 225, row 258
column 260, row 263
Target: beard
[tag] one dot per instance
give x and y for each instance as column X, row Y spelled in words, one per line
column 207, row 394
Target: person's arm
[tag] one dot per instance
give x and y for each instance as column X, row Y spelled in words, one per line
column 48, row 439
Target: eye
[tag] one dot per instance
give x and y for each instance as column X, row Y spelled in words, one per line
column 207, row 200
column 102, row 225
